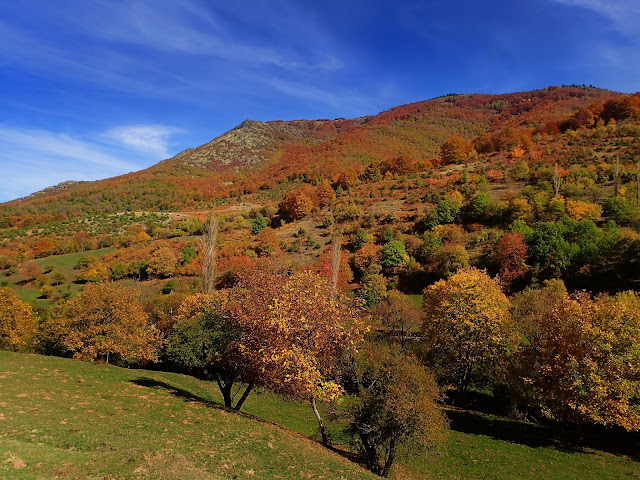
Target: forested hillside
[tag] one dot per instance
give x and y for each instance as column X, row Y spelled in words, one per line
column 476, row 251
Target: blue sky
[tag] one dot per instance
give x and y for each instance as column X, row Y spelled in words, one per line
column 92, row 89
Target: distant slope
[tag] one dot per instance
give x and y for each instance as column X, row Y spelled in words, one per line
column 258, row 154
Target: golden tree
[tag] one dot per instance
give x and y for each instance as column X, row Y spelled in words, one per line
column 300, row 338
column 587, row 362
column 296, row 205
column 17, row 322
column 162, row 262
column 580, row 210
column 102, row 322
column 325, row 193
column 267, row 242
column 466, row 325
column 455, row 149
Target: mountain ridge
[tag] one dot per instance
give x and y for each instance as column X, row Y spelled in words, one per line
column 255, row 152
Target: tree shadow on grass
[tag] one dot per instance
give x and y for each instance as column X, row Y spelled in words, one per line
column 531, row 435
column 560, row 437
column 178, row 392
column 190, row 397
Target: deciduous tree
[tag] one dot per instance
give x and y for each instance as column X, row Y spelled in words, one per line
column 466, row 325
column 325, row 193
column 398, row 316
column 102, row 322
column 454, row 150
column 162, row 262
column 394, row 409
column 205, row 340
column 309, row 328
column 588, row 360
column 296, row 205
column 17, row 321
column 510, row 256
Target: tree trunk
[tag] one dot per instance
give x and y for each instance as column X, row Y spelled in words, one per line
column 225, row 389
column 336, row 255
column 323, row 430
column 390, row 458
column 616, row 176
column 244, row 396
column 637, row 184
column 210, row 238
column 556, row 180
column 226, row 395
column 371, row 454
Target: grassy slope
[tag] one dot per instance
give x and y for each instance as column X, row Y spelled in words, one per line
column 77, row 420
column 65, row 263
column 67, row 419
column 30, row 292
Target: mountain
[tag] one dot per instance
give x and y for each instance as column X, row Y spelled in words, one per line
column 261, row 154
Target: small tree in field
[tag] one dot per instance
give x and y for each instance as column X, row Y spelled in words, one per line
column 308, row 328
column 393, row 410
column 205, row 341
column 104, row 321
column 17, row 321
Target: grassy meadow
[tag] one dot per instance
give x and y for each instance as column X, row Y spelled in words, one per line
column 66, row 419
column 30, row 292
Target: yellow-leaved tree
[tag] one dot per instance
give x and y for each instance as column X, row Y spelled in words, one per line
column 309, row 328
column 466, row 326
column 587, row 360
column 17, row 322
column 103, row 322
column 285, row 332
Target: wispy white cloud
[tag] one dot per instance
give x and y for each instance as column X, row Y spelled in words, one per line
column 186, row 51
column 31, row 160
column 60, row 146
column 625, row 14
column 151, row 139
column 194, row 28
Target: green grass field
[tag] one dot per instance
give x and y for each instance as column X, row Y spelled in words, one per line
column 416, row 299
column 62, row 418
column 65, row 263
column 30, row 292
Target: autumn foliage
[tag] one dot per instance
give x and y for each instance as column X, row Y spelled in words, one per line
column 103, row 321
column 17, row 321
column 395, row 409
column 587, row 361
column 466, row 325
column 309, row 329
column 454, row 150
column 296, row 205
column 510, row 256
